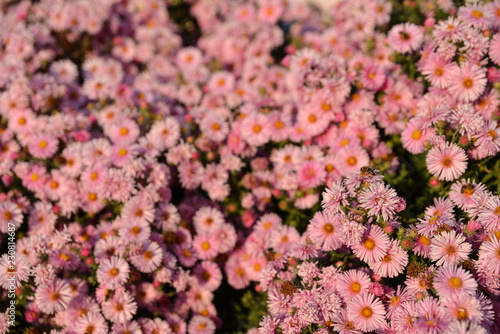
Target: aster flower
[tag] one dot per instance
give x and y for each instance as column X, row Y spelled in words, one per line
column 322, row 231
column 490, row 252
column 113, row 272
column 430, row 316
column 353, row 283
column 367, row 312
column 379, row 200
column 437, row 69
column 464, row 192
column 449, row 248
column 20, row 271
column 205, row 246
column 147, row 258
column 393, row 263
column 42, row 146
column 468, row 82
column 489, row 215
column 373, row 246
column 10, row 216
column 467, row 120
column 447, row 162
column 120, row 308
column 415, row 139
column 333, row 198
column 53, row 297
column 91, row 323
column 453, row 280
column 207, row 219
column 405, row 37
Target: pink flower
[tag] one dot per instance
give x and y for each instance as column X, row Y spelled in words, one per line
column 113, row 272
column 415, row 139
column 367, row 312
column 374, row 245
column 353, row 283
column 311, row 174
column 120, row 308
column 393, row 263
column 42, row 146
column 452, row 279
column 53, row 297
column 447, row 162
column 405, row 37
column 379, row 200
column 490, row 252
column 449, row 248
column 323, row 231
column 205, row 245
column 468, row 82
column 208, row 275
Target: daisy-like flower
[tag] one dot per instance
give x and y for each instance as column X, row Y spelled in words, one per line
column 128, row 327
column 351, row 232
column 333, row 198
column 449, row 248
column 201, row 325
column 462, row 192
column 206, row 246
column 207, row 219
column 367, row 312
column 430, row 316
column 168, row 130
column 490, row 252
column 462, row 307
column 353, row 283
column 53, row 297
column 447, row 162
column 379, row 200
column 468, row 119
column 393, row 263
column 138, row 209
column 311, row 174
column 373, row 246
column 10, row 216
column 495, row 49
column 214, row 127
column 189, row 58
column 119, row 308
column 208, row 275
column 415, row 139
column 225, row 237
column 452, row 279
column 465, row 327
column 351, row 158
column 323, row 231
column 20, row 271
column 405, row 37
column 437, row 70
column 42, row 146
column 475, row 14
column 113, row 272
column 489, row 215
column 468, row 82
column 403, row 319
column 91, row 323
column 255, row 129
column 147, row 258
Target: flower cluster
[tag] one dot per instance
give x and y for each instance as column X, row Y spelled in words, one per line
column 456, row 119
column 452, row 266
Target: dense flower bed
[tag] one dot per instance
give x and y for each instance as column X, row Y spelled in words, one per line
column 250, row 166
